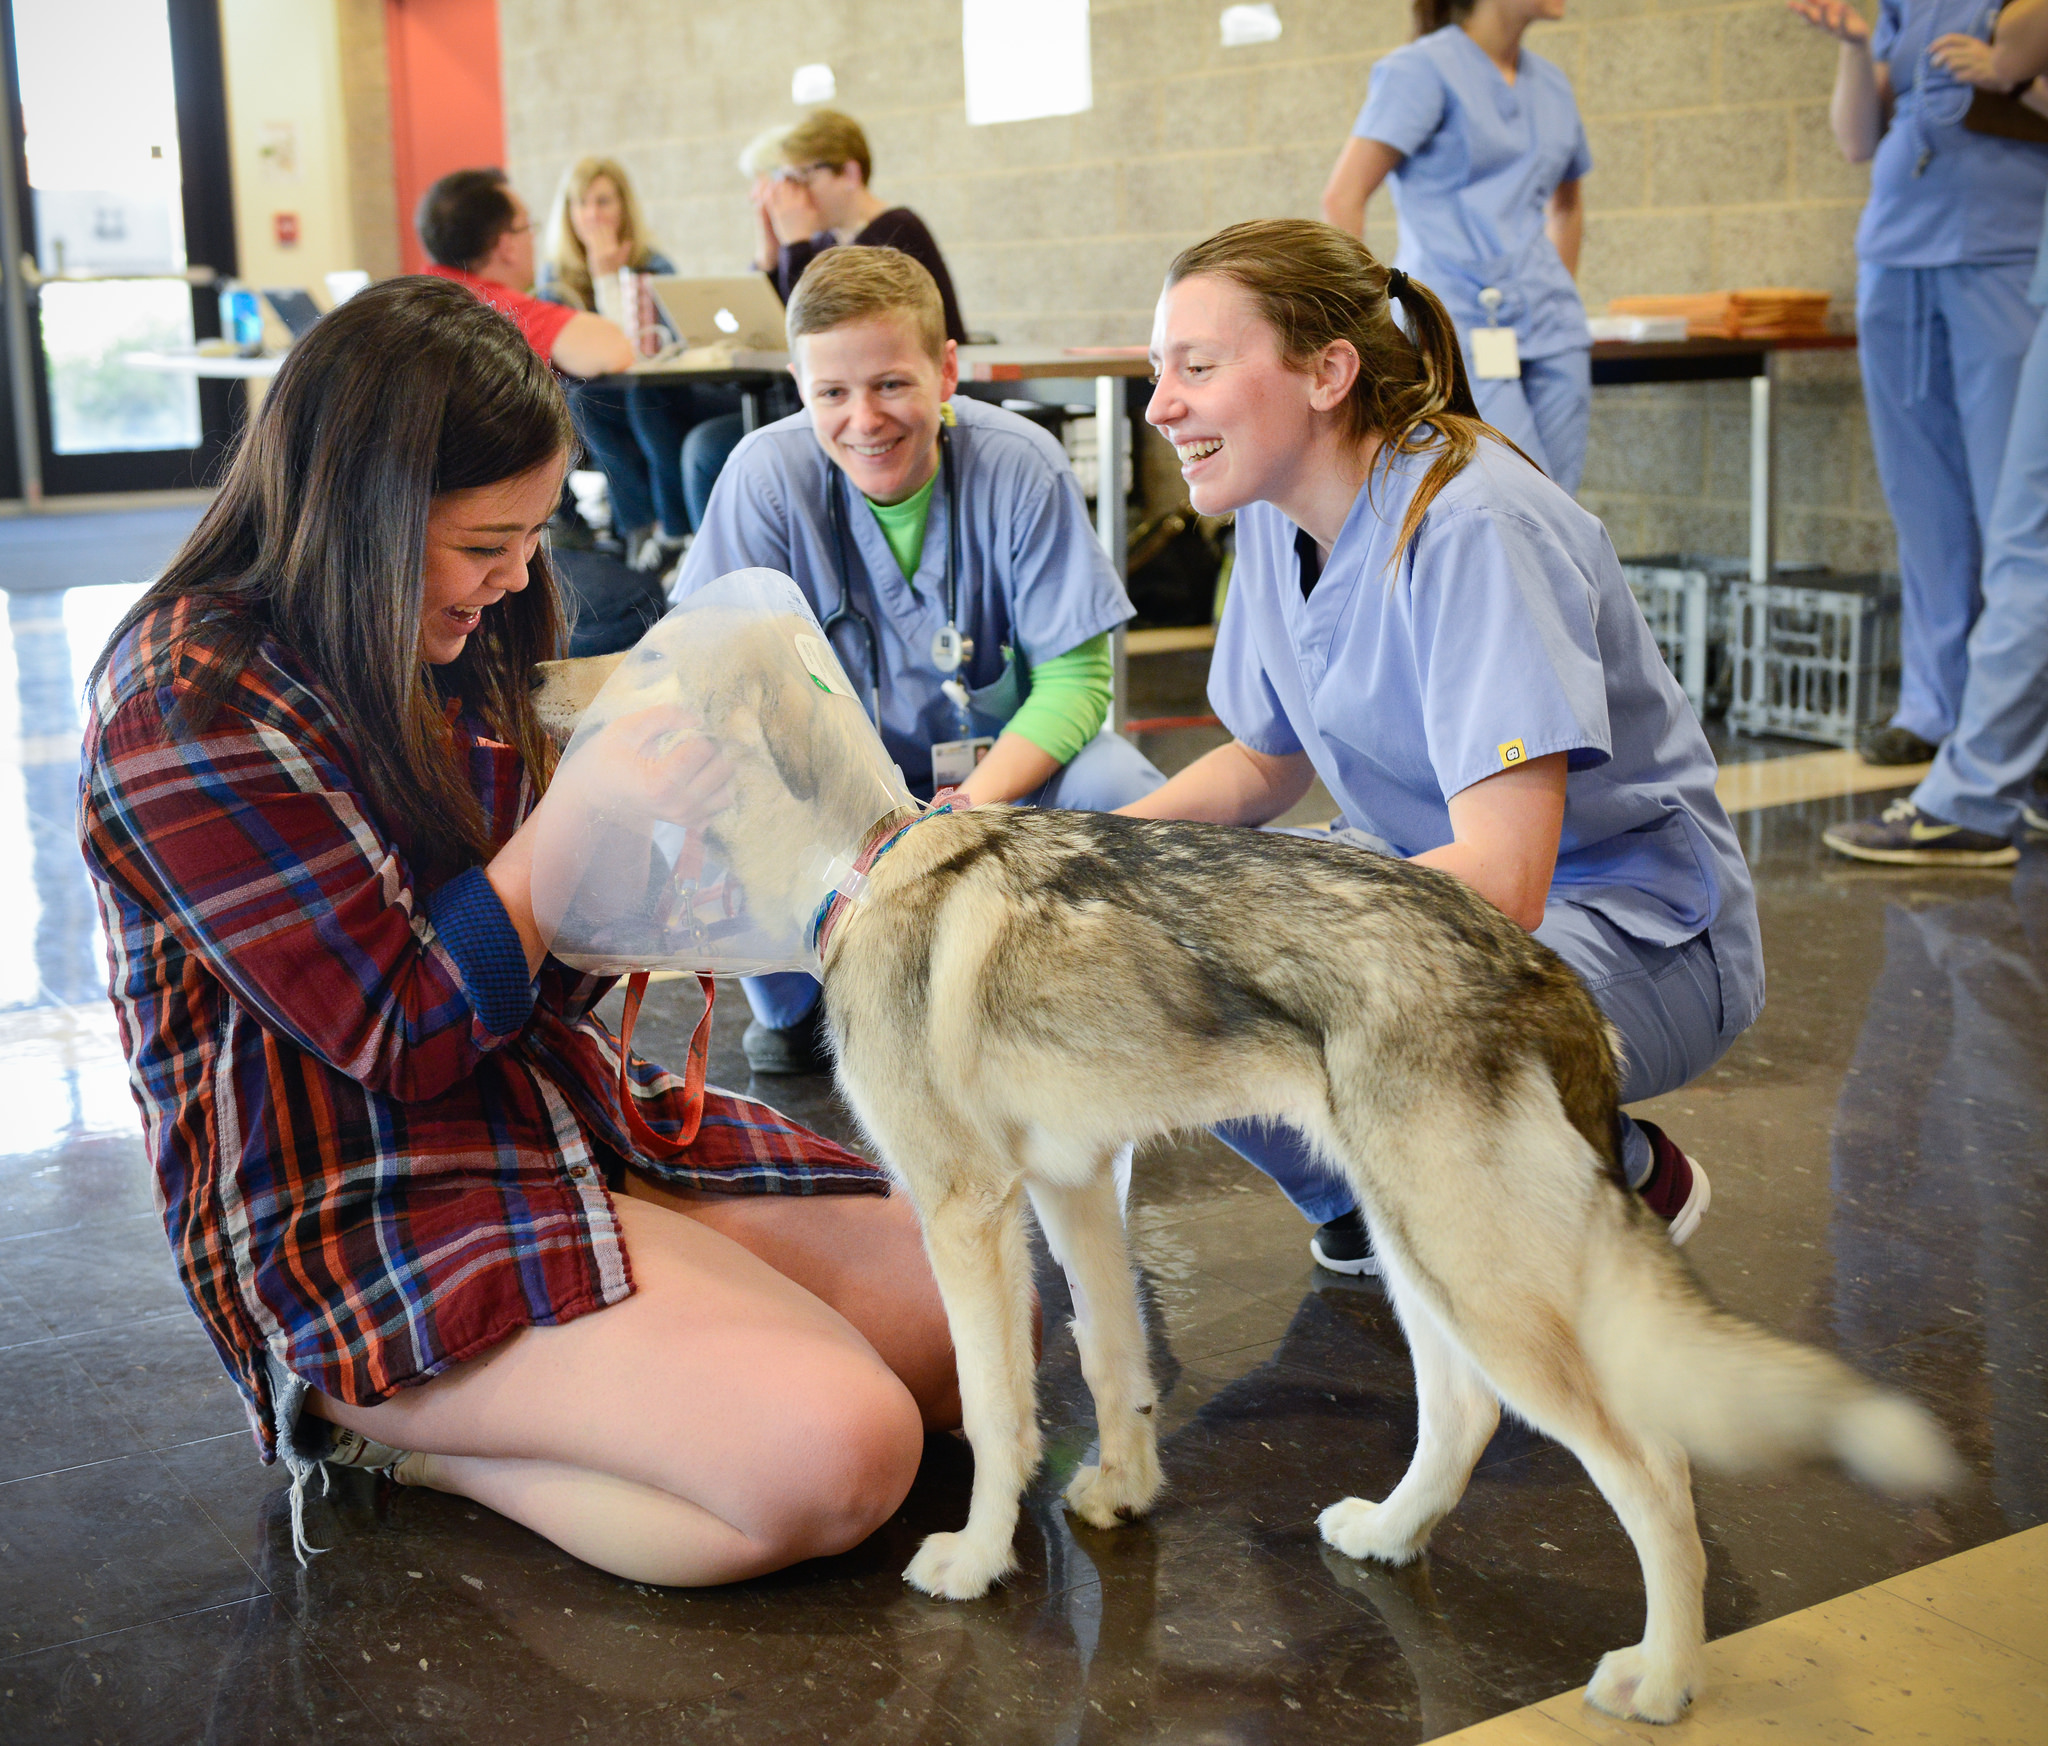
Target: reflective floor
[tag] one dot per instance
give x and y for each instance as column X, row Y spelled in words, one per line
column 1876, row 1144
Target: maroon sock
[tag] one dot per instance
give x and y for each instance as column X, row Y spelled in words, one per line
column 1669, row 1184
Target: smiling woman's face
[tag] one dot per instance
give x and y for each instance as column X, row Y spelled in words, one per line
column 875, row 397
column 1237, row 416
column 479, row 543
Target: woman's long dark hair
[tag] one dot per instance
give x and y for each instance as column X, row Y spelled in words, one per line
column 1315, row 285
column 317, row 538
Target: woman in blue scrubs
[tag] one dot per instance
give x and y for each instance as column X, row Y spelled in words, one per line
column 1944, row 254
column 1485, row 147
column 1422, row 619
column 1982, row 792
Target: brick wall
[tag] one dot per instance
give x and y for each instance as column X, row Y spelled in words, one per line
column 1708, row 122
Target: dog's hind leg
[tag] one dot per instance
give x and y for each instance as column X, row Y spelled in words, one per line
column 1085, row 1231
column 981, row 1259
column 1531, row 1354
column 1457, row 1411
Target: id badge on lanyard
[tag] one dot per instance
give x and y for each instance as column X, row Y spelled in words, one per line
column 953, row 761
column 1495, row 355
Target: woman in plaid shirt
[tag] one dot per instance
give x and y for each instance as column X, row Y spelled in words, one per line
column 391, row 1145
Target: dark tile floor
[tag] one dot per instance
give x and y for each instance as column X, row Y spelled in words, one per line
column 1877, row 1150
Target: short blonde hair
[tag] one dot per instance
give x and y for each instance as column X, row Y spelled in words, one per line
column 827, row 137
column 763, row 152
column 563, row 248
column 855, row 283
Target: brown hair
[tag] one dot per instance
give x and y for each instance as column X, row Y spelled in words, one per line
column 827, row 137
column 461, row 217
column 856, row 284
column 563, row 253
column 1316, row 285
column 1432, row 15
column 317, row 538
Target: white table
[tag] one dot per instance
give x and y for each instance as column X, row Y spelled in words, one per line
column 219, row 369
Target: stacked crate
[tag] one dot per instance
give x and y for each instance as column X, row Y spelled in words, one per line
column 1814, row 662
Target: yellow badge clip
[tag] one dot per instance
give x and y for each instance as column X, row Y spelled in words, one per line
column 1512, row 752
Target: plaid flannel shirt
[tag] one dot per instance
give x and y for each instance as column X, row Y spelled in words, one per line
column 377, row 1143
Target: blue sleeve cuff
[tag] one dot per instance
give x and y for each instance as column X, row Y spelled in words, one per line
column 473, row 925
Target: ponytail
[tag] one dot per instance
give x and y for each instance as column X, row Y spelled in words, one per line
column 1316, row 285
column 1432, row 15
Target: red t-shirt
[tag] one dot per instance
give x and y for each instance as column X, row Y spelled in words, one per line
column 542, row 323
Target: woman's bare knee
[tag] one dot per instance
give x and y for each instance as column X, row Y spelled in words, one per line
column 865, row 1443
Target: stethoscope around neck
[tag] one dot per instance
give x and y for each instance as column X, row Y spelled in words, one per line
column 950, row 650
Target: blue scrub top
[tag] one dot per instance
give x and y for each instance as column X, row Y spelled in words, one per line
column 1503, row 633
column 1034, row 581
column 2037, row 292
column 1483, row 158
column 1975, row 199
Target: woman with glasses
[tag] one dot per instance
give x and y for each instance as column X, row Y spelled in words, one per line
column 1944, row 254
column 812, row 194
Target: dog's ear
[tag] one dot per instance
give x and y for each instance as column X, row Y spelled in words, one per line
column 789, row 726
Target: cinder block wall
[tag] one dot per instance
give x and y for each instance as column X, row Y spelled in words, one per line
column 1708, row 122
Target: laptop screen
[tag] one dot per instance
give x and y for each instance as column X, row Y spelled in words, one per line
column 295, row 308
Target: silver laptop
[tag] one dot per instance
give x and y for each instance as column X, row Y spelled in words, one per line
column 741, row 311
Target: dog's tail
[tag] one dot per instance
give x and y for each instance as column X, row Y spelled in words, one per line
column 1739, row 1399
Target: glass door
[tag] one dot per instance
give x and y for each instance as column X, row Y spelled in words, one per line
column 125, row 217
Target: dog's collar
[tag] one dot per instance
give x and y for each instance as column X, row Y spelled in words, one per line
column 880, row 841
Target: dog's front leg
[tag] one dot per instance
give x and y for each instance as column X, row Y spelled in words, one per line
column 982, row 1262
column 1085, row 1230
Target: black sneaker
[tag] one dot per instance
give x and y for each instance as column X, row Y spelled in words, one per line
column 1894, row 745
column 2035, row 824
column 797, row 1048
column 1904, row 836
column 1344, row 1246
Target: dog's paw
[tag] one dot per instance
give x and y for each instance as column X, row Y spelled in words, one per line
column 1103, row 1497
column 1360, row 1528
column 1628, row 1684
column 954, row 1567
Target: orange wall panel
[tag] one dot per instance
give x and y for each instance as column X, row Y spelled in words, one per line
column 447, row 99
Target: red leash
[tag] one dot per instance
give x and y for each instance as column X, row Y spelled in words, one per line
column 645, row 1139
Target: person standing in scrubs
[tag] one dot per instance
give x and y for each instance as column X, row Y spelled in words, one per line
column 1944, row 254
column 945, row 547
column 1422, row 619
column 1983, row 791
column 1486, row 151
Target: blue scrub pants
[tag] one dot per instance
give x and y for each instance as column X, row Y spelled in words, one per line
column 1942, row 349
column 1981, row 774
column 1546, row 411
column 635, row 435
column 1664, row 1000
column 1105, row 774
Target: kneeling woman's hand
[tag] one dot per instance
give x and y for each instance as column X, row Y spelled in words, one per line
column 654, row 765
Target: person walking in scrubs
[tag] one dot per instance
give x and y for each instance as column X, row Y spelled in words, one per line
column 945, row 547
column 1944, row 254
column 1982, row 793
column 1422, row 619
column 1486, row 151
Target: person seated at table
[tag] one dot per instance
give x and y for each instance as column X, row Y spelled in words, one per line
column 477, row 232
column 634, row 432
column 814, row 198
column 945, row 546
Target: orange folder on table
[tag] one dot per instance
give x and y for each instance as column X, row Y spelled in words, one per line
column 1759, row 312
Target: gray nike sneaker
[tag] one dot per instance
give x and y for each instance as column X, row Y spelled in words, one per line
column 1904, row 836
